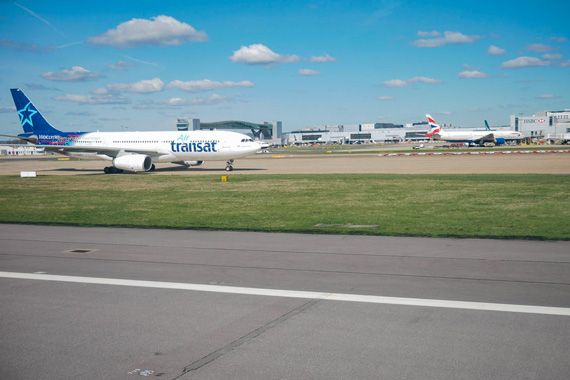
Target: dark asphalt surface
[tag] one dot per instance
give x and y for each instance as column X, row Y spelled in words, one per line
column 83, row 331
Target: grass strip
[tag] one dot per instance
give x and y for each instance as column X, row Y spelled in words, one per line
column 490, row 206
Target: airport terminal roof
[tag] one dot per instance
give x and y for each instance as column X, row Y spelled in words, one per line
column 234, row 124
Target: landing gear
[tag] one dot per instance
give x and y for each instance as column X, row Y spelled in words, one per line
column 152, row 168
column 112, row 170
column 229, row 166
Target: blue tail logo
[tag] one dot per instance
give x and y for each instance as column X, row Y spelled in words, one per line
column 26, row 114
column 31, row 120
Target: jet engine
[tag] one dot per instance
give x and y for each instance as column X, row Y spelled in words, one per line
column 133, row 163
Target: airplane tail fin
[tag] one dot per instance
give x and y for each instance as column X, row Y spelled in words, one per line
column 31, row 119
column 435, row 128
column 487, row 126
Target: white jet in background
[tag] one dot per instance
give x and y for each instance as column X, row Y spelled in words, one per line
column 471, row 136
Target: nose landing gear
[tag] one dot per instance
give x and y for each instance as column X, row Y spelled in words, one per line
column 229, row 166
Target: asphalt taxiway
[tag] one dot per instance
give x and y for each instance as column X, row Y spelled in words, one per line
column 125, row 303
column 548, row 163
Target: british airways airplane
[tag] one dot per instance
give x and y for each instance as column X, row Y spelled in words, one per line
column 470, row 136
column 132, row 151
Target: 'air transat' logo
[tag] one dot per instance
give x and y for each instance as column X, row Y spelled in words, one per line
column 193, row 147
column 26, row 114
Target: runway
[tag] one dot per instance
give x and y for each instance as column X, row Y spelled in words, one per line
column 206, row 326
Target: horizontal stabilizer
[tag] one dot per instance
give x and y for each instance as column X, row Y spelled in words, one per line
column 29, row 137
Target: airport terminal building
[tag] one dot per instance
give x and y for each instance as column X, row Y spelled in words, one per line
column 549, row 125
column 21, row 150
column 270, row 132
column 360, row 133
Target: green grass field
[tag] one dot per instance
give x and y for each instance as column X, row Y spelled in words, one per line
column 492, row 206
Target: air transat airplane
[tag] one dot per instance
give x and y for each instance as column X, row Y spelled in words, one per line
column 470, row 136
column 133, row 151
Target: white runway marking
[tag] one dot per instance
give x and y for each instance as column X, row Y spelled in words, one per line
column 296, row 294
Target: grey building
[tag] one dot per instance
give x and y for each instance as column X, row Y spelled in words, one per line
column 386, row 133
column 550, row 125
column 265, row 131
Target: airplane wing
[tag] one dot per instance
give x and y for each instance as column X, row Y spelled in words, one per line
column 111, row 152
column 62, row 149
column 487, row 138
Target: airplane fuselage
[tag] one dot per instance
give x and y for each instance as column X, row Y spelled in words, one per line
column 132, row 151
column 471, row 136
column 161, row 146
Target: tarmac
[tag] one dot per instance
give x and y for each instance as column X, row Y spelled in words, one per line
column 476, row 163
column 111, row 303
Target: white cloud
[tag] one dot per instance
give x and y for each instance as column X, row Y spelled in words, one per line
column 40, row 87
column 308, row 72
column 93, row 99
column 9, row 109
column 74, row 74
column 137, row 60
column 547, row 96
column 384, row 9
column 447, row 38
column 385, row 98
column 559, row 39
column 159, row 30
column 523, row 62
column 322, row 58
column 472, row 74
column 539, row 48
column 495, row 50
column 426, row 80
column 259, row 54
column 120, row 65
column 552, row 56
column 22, row 46
column 433, row 33
column 395, row 83
column 565, row 63
column 207, row 84
column 198, row 101
column 417, row 79
column 145, row 86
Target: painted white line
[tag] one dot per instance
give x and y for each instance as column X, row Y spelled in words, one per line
column 547, row 310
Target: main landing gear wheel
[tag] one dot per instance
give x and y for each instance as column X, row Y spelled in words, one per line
column 152, row 168
column 112, row 170
column 229, row 166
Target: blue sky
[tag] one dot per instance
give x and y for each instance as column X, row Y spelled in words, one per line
column 141, row 64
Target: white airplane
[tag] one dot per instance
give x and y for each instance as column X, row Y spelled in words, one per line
column 133, row 151
column 470, row 136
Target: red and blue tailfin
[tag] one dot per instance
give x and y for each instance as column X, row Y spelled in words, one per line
column 435, row 128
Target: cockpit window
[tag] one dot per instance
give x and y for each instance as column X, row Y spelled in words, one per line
column 246, row 140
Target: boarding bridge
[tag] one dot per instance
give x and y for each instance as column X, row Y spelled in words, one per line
column 265, row 131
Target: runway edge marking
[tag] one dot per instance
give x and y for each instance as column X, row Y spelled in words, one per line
column 482, row 306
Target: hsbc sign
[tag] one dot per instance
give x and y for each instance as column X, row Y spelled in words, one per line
column 533, row 121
